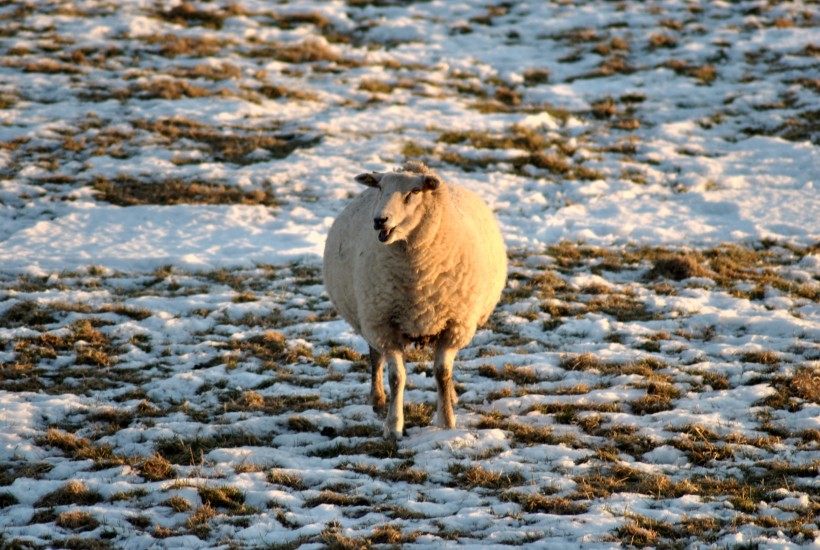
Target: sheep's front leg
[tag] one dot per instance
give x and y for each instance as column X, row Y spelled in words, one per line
column 397, row 376
column 377, row 397
column 443, row 366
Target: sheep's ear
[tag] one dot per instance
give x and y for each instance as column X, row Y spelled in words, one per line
column 430, row 183
column 371, row 179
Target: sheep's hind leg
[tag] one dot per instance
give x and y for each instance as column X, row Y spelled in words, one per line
column 443, row 366
column 377, row 396
column 397, row 376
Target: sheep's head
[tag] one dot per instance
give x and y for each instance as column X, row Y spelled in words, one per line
column 400, row 206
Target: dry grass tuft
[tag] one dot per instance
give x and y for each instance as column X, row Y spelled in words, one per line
column 169, row 89
column 252, row 401
column 535, row 503
column 418, row 414
column 178, row 504
column 336, row 499
column 521, row 376
column 187, row 14
column 402, row 472
column 806, row 384
column 333, row 539
column 636, row 536
column 198, row 522
column 73, row 492
column 477, row 476
column 157, row 468
column 208, row 71
column 286, row 479
column 278, row 92
column 224, row 145
column 172, row 45
column 307, row 51
column 80, row 448
column 678, row 267
column 764, row 357
column 704, row 74
column 223, row 496
column 7, row 499
column 582, row 362
column 76, row 520
column 127, row 191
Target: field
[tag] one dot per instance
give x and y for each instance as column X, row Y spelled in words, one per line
column 173, row 375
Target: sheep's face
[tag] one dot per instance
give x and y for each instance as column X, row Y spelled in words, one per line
column 400, row 205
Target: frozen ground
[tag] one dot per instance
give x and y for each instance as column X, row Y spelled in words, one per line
column 172, row 374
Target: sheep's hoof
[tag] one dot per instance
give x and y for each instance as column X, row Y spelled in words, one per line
column 444, row 422
column 392, row 434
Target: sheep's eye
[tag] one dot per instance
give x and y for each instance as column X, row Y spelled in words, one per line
column 415, row 191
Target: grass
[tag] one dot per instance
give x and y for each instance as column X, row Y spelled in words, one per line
column 541, row 404
column 128, row 191
column 157, row 468
column 193, row 451
column 566, row 390
column 232, row 147
column 222, row 496
column 518, row 375
column 77, row 521
column 478, row 476
column 536, row 503
column 73, row 492
column 403, row 472
column 172, row 45
column 336, row 499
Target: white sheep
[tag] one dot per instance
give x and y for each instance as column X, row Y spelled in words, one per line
column 413, row 259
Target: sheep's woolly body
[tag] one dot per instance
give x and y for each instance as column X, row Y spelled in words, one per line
column 450, row 275
column 438, row 284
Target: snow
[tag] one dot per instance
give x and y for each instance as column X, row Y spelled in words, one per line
column 684, row 164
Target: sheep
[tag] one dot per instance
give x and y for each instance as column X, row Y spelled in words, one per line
column 413, row 259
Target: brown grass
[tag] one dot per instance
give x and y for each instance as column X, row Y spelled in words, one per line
column 76, row 520
column 518, row 375
column 307, row 51
column 199, row 520
column 534, row 77
column 278, row 92
column 704, row 74
column 178, row 504
column 73, row 492
column 169, row 89
column 477, row 476
column 418, row 414
column 764, row 357
column 192, row 451
column 157, row 468
column 286, row 479
column 403, row 472
column 127, row 191
column 582, row 362
column 187, row 14
column 223, row 496
column 806, row 384
column 207, row 71
column 533, row 503
column 525, row 434
column 172, row 45
column 81, row 448
column 225, row 146
column 336, row 499
column 380, row 448
column 678, row 267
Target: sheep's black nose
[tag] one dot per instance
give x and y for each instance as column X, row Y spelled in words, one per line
column 378, row 223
